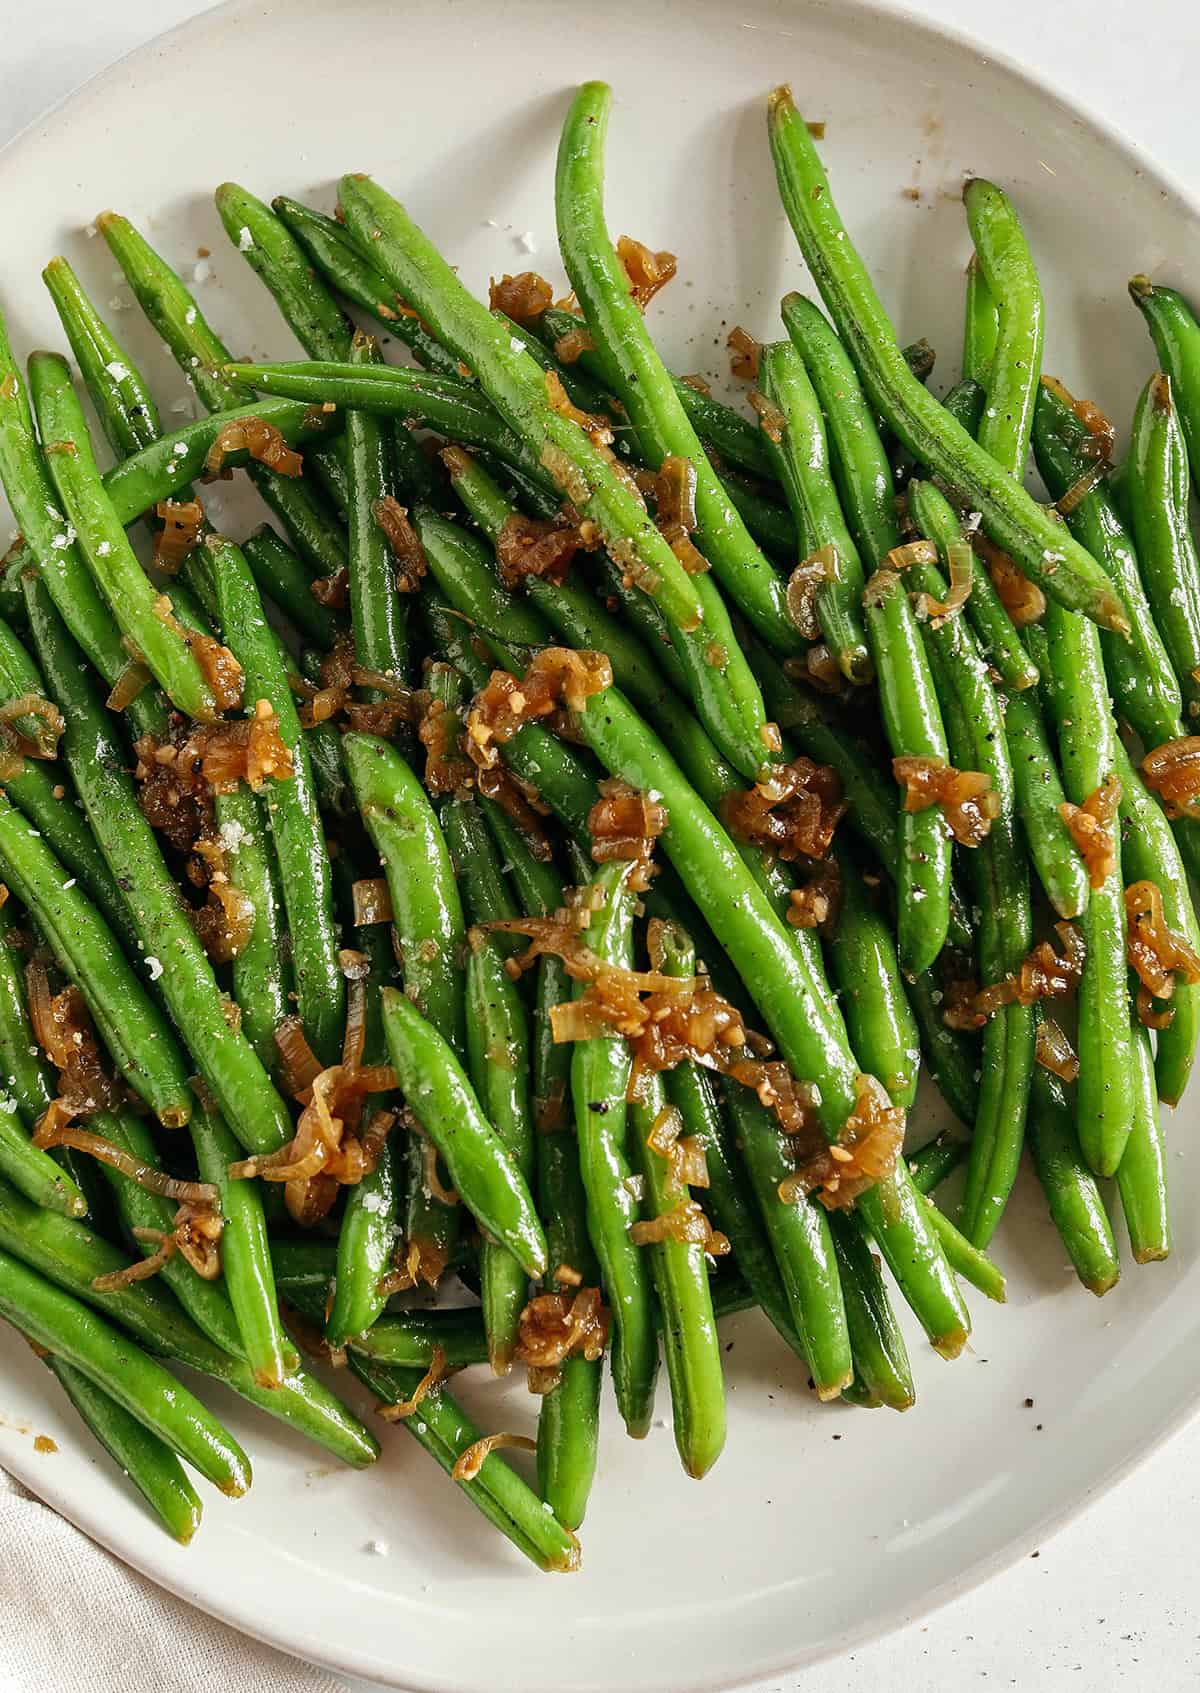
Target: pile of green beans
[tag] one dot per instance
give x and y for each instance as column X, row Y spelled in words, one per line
column 456, row 1014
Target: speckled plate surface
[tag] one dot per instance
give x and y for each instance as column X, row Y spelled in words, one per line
column 820, row 1526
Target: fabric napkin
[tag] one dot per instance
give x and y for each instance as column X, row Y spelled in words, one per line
column 75, row 1620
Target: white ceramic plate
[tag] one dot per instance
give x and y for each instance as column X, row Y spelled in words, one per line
column 820, row 1527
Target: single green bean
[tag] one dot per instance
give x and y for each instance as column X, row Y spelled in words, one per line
column 1007, row 271
column 480, row 1165
column 1070, row 1187
column 862, row 958
column 680, row 1272
column 1010, row 516
column 951, row 1057
column 283, row 577
column 936, row 1160
column 1158, row 500
column 1142, row 1172
column 245, row 1255
column 1149, row 853
column 913, row 722
column 377, row 614
column 1087, row 745
column 981, row 326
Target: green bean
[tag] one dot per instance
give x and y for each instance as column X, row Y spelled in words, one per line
column 73, row 1255
column 1006, row 270
column 140, row 1455
column 376, row 609
column 408, row 1338
column 862, row 956
column 199, row 353
column 1158, row 498
column 860, row 465
column 330, row 782
column 446, row 1432
column 259, row 972
column 160, row 471
column 19, row 677
column 131, row 1025
column 767, row 521
column 997, row 634
column 963, row 1258
column 936, row 1160
column 425, row 900
column 913, row 722
column 1000, row 879
column 367, row 1234
column 33, row 1172
column 337, row 258
column 1010, row 516
column 680, row 1273
column 1070, row 1187
column 1176, row 336
column 1142, row 1172
column 951, row 1057
column 731, row 706
column 290, row 802
column 1149, row 853
column 135, row 1380
column 600, row 1070
column 89, row 512
column 245, row 1255
column 284, row 578
column 981, row 325
column 634, row 371
column 1087, row 737
column 965, row 403
column 498, row 1055
column 22, row 1065
column 800, row 1241
column 1144, row 685
column 881, row 1364
column 271, row 251
column 127, row 410
column 46, row 545
column 801, row 457
column 480, row 1165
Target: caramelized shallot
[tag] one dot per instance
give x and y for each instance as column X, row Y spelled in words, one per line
column 523, row 297
column 1054, row 1051
column 1158, row 955
column 257, row 438
column 624, row 824
column 1172, row 770
column 803, row 585
column 793, row 809
column 745, row 350
column 182, row 521
column 557, row 676
column 647, row 272
column 470, row 1461
column 404, row 542
column 965, row 796
column 1022, row 599
column 1091, row 828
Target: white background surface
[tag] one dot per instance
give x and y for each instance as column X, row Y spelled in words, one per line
column 1112, row 1600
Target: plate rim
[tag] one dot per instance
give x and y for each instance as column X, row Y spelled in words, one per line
column 348, row 1660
